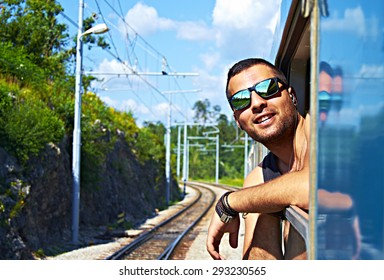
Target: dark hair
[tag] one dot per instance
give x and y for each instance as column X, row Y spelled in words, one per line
column 337, row 71
column 244, row 64
column 325, row 67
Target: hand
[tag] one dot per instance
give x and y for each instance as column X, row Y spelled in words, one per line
column 216, row 231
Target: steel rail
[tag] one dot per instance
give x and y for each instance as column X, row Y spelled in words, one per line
column 170, row 249
column 149, row 234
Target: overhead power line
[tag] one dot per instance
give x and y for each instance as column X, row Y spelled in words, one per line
column 133, row 64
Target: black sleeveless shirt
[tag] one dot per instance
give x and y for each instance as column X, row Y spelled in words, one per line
column 270, row 168
column 271, row 171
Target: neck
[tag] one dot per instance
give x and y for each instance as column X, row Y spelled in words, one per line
column 290, row 151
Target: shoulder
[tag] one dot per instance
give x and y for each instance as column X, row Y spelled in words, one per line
column 255, row 177
column 307, row 124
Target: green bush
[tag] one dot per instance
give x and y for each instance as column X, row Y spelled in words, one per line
column 16, row 66
column 7, row 93
column 149, row 146
column 28, row 126
column 99, row 126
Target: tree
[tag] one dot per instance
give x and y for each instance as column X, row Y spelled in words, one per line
column 32, row 25
column 202, row 158
column 204, row 113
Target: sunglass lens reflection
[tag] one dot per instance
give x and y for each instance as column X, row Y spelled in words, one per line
column 241, row 99
column 267, row 88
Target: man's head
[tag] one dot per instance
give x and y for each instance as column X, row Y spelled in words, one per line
column 262, row 102
column 325, row 77
column 325, row 89
column 249, row 62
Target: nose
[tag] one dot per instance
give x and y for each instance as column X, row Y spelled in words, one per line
column 257, row 103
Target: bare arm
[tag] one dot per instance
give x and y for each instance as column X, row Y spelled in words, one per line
column 262, row 236
column 273, row 196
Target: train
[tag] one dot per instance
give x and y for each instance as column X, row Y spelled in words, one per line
column 332, row 53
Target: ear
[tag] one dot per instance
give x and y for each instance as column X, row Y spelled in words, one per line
column 292, row 95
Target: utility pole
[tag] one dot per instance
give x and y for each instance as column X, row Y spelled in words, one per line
column 77, row 131
column 178, row 152
column 245, row 147
column 76, row 146
column 185, row 154
column 185, row 177
column 216, row 139
column 217, row 158
column 245, row 155
column 168, row 144
column 168, row 154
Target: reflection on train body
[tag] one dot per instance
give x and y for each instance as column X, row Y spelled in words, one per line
column 350, row 114
column 351, row 161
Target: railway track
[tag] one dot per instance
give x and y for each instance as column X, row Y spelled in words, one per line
column 161, row 241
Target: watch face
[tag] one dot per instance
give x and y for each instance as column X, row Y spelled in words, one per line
column 225, row 218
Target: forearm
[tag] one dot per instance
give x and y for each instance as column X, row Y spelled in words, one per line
column 273, row 196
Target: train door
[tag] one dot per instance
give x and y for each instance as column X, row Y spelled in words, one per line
column 333, row 54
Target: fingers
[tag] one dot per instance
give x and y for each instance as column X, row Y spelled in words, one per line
column 234, row 235
column 233, row 239
column 213, row 245
column 215, row 233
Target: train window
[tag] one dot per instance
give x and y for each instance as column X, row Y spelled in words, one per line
column 350, row 158
column 294, row 51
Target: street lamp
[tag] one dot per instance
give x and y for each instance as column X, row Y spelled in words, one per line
column 97, row 29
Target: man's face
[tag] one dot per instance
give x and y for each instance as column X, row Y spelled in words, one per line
column 337, row 84
column 325, row 82
column 265, row 120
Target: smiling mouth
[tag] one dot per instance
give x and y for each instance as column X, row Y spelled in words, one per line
column 264, row 119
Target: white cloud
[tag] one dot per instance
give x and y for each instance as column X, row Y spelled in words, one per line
column 237, row 14
column 371, row 71
column 109, row 101
column 353, row 115
column 238, row 29
column 161, row 109
column 130, row 105
column 210, row 60
column 245, row 27
column 145, row 20
column 117, row 75
column 353, row 20
column 194, row 31
column 111, row 66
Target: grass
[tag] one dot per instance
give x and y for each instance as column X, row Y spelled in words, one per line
column 237, row 182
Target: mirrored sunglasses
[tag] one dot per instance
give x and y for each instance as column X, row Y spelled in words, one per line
column 264, row 89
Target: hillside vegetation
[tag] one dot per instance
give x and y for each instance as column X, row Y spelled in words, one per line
column 122, row 165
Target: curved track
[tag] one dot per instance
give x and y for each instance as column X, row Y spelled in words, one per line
column 161, row 241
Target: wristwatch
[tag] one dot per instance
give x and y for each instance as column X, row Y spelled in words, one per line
column 226, row 219
column 224, row 211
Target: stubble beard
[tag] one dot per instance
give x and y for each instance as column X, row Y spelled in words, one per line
column 280, row 132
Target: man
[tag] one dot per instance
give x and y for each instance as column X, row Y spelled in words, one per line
column 264, row 106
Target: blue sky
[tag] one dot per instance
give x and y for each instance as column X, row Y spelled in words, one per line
column 352, row 37
column 199, row 37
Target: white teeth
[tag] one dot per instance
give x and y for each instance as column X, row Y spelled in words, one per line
column 263, row 119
